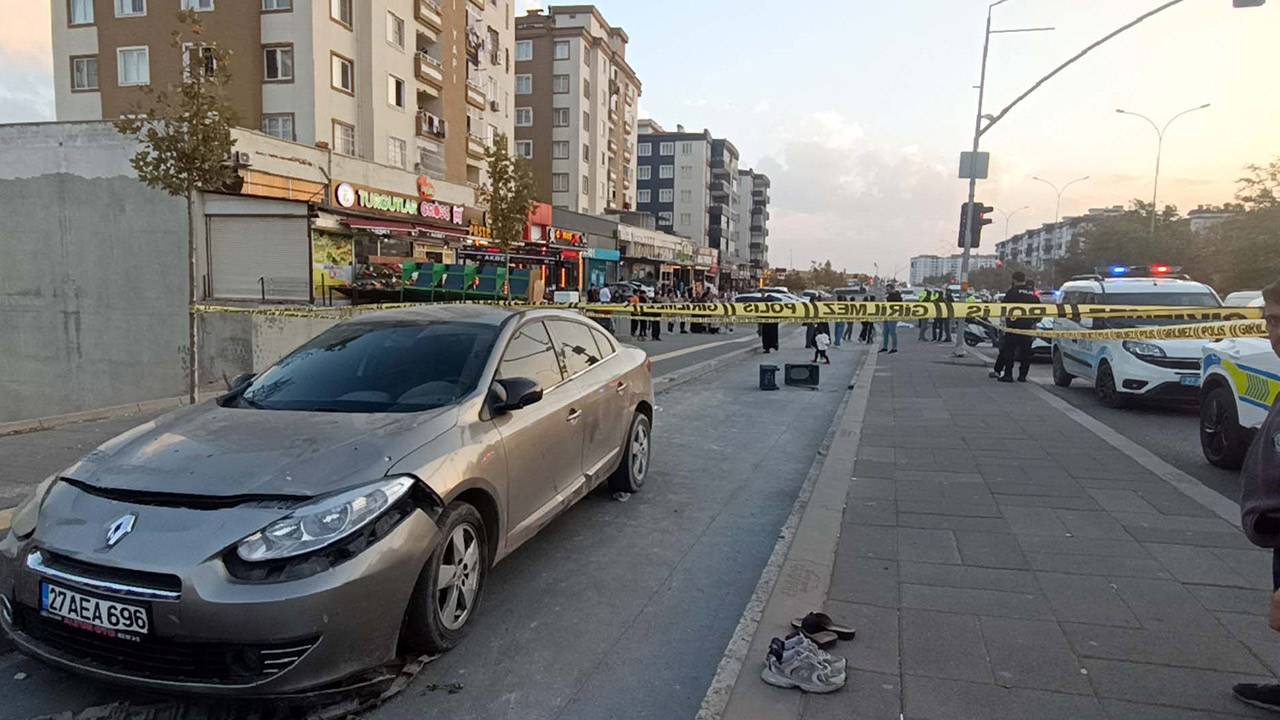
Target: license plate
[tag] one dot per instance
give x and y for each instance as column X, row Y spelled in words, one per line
column 105, row 617
column 1191, row 380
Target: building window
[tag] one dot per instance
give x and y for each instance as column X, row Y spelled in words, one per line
column 560, row 182
column 524, row 149
column 560, row 117
column 202, row 56
column 279, row 125
column 397, row 151
column 524, row 117
column 344, row 74
column 561, row 50
column 586, row 88
column 395, row 92
column 586, row 153
column 276, row 5
column 198, row 5
column 586, row 185
column 80, row 12
column 560, row 84
column 686, row 171
column 344, row 138
column 664, row 218
column 686, row 148
column 560, row 149
column 340, row 10
column 642, row 196
column 666, row 172
column 131, row 8
column 644, row 172
column 667, row 148
column 133, row 66
column 644, row 150
column 586, row 121
column 686, row 196
column 278, row 63
column 395, row 30
column 686, row 219
column 666, row 195
column 524, row 84
column 84, row 74
column 524, row 50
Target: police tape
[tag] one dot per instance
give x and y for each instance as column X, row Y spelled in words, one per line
column 1199, row 331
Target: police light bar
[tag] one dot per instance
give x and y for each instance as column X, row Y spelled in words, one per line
column 1137, row 270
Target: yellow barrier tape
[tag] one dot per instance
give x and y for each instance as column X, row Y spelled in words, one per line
column 1200, row 331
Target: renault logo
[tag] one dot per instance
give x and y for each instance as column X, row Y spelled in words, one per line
column 118, row 529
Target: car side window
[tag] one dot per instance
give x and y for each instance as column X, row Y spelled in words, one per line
column 530, row 354
column 604, row 342
column 576, row 345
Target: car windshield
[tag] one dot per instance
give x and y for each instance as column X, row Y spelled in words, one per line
column 377, row 367
column 1189, row 299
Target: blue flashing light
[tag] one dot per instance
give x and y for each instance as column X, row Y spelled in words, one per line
column 1119, row 270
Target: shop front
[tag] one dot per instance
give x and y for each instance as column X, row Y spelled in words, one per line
column 651, row 257
column 602, row 266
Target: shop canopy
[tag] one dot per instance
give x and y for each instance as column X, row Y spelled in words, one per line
column 401, row 228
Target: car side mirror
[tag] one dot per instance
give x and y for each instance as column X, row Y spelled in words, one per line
column 240, row 382
column 510, row 394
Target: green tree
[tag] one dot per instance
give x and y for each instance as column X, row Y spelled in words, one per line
column 508, row 197
column 1260, row 189
column 185, row 132
column 1127, row 240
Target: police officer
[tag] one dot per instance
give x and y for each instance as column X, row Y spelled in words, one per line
column 1260, row 502
column 1015, row 347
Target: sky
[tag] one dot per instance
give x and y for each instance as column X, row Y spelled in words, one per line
column 858, row 110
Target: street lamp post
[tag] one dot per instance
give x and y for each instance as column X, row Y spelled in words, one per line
column 1057, row 218
column 1009, row 215
column 1155, row 191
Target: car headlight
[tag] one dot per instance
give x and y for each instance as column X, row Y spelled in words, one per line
column 27, row 515
column 322, row 522
column 1143, row 349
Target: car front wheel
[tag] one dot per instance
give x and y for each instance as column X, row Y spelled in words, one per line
column 1222, row 440
column 1105, row 387
column 631, row 474
column 1061, row 377
column 448, row 591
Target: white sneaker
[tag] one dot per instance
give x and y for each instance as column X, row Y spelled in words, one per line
column 797, row 669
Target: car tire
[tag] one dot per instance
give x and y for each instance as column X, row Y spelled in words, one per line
column 1105, row 388
column 1061, row 377
column 636, row 450
column 1223, row 441
column 436, row 620
column 971, row 341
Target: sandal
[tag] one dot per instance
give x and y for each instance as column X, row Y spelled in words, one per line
column 818, row 623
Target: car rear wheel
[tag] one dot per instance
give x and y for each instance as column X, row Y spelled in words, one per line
column 1105, row 388
column 1222, row 440
column 448, row 591
column 631, row 474
column 1061, row 377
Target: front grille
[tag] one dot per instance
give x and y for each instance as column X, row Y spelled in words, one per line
column 157, row 658
column 1188, row 364
column 140, row 578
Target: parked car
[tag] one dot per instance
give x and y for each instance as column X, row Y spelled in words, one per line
column 345, row 503
column 1239, row 382
column 1243, row 298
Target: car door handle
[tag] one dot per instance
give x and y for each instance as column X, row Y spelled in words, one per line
column 574, row 414
column 621, row 387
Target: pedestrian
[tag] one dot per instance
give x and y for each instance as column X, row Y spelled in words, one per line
column 848, row 332
column 821, row 341
column 866, row 328
column 655, row 325
column 1015, row 347
column 1260, row 501
column 634, row 302
column 836, row 337
column 891, row 325
column 603, row 296
column 768, row 336
column 642, row 299
column 925, row 296
column 947, row 298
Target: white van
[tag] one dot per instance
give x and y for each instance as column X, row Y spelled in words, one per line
column 1239, row 381
column 1124, row 370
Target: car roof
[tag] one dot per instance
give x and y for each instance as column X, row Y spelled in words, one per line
column 1143, row 284
column 458, row 312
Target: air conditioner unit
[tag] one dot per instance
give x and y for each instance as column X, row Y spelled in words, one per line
column 493, row 105
column 241, row 158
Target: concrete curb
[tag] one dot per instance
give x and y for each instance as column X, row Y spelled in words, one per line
column 797, row 577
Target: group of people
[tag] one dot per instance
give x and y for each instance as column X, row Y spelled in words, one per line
column 941, row 328
column 651, row 328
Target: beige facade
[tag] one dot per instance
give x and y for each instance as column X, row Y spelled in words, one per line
column 421, row 85
column 576, row 103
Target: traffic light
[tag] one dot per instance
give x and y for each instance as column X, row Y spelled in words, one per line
column 980, row 213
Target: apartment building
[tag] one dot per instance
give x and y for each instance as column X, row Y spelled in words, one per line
column 754, row 189
column 1043, row 246
column 673, row 177
column 576, row 100
column 724, row 173
column 933, row 266
column 422, row 85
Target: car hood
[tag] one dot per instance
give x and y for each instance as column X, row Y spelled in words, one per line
column 208, row 450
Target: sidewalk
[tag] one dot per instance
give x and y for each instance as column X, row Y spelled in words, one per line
column 1001, row 560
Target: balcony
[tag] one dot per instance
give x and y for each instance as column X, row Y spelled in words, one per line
column 719, row 190
column 613, row 146
column 430, row 71
column 475, row 146
column 475, row 93
column 428, row 13
column 478, row 3
column 431, row 126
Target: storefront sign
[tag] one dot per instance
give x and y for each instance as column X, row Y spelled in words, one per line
column 567, row 237
column 480, row 231
column 643, row 243
column 604, row 254
column 350, row 196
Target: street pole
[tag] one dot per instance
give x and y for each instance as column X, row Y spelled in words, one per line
column 1057, row 218
column 1009, row 215
column 1160, row 132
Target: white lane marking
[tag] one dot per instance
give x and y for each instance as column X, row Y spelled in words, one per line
column 1186, row 484
column 699, row 348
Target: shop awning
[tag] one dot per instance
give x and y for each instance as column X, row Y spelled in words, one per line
column 383, row 225
column 437, row 229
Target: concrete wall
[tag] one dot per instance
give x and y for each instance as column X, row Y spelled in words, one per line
column 93, row 281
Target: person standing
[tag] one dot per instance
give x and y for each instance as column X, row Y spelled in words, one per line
column 868, row 332
column 768, row 336
column 839, row 333
column 891, row 325
column 1260, row 502
column 924, row 324
column 655, row 325
column 821, row 342
column 603, row 297
column 1015, row 347
column 642, row 299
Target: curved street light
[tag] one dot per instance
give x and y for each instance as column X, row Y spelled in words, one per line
column 1155, row 192
column 1008, row 215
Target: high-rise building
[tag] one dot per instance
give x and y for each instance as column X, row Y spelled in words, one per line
column 575, row 106
column 419, row 84
column 754, row 189
column 924, row 267
column 724, row 173
column 673, row 176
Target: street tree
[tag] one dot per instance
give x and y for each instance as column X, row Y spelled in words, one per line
column 508, row 197
column 185, row 135
column 1260, row 189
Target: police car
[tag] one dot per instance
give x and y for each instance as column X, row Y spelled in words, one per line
column 1240, row 378
column 1125, row 370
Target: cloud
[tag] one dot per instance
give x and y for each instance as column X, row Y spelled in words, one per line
column 26, row 90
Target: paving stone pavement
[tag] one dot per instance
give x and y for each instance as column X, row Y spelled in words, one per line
column 1001, row 561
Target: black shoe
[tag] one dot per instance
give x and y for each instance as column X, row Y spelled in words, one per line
column 893, row 351
column 883, row 350
column 1005, row 378
column 1022, row 379
column 1266, row 697
column 993, row 375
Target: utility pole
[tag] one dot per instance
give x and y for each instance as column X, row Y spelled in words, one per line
column 1009, row 215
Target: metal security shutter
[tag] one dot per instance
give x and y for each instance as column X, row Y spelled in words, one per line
column 248, row 252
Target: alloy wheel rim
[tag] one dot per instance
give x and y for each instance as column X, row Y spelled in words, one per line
column 639, row 453
column 1215, row 422
column 458, row 581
